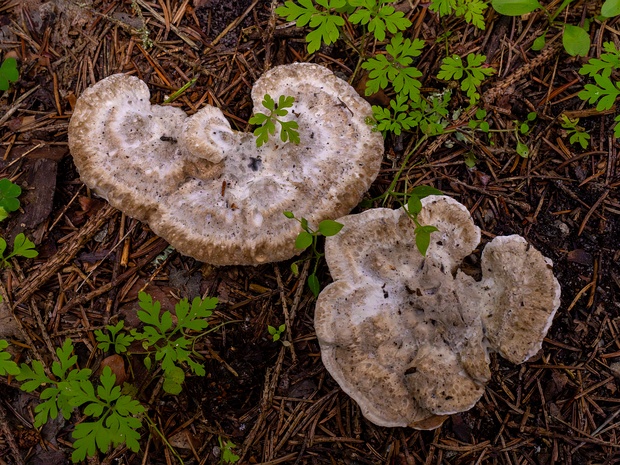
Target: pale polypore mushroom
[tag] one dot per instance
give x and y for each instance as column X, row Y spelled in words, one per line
column 207, row 189
column 408, row 337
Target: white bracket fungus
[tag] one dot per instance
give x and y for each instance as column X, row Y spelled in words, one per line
column 408, row 337
column 207, row 189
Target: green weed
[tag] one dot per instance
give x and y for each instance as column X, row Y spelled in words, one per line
column 267, row 123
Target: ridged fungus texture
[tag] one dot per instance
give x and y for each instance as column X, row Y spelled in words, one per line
column 206, row 188
column 408, row 337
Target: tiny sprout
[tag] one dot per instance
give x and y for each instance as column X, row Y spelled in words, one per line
column 267, row 123
column 308, row 237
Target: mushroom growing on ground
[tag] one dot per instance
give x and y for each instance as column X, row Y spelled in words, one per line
column 206, row 188
column 408, row 337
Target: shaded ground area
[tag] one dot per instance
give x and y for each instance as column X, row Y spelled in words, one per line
column 278, row 404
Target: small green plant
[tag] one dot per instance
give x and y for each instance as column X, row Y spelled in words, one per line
column 8, row 73
column 7, row 366
column 523, row 129
column 112, row 417
column 429, row 114
column 8, row 197
column 605, row 92
column 309, row 237
column 276, row 333
column 478, row 122
column 413, row 209
column 575, row 39
column 173, row 344
column 470, row 75
column 395, row 69
column 577, row 134
column 22, row 247
column 226, row 449
column 323, row 21
column 470, row 10
column 115, row 338
column 379, row 16
column 267, row 123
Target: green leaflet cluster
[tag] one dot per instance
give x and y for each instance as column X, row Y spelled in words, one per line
column 113, row 415
column 309, row 237
column 267, row 123
column 169, row 344
column 605, row 91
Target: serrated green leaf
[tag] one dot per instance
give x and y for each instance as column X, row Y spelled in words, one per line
column 269, row 103
column 85, row 443
column 515, row 7
column 7, row 366
column 304, row 240
column 23, row 247
column 330, row 227
column 258, row 118
column 8, row 195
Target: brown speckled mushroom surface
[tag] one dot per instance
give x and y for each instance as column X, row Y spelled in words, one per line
column 408, row 337
column 206, row 188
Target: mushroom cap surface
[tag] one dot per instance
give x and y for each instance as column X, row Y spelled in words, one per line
column 408, row 337
column 206, row 188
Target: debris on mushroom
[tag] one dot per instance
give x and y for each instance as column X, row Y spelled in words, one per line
column 408, row 337
column 206, row 188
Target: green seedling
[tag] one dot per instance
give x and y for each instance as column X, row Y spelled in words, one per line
column 428, row 114
column 523, row 129
column 22, row 247
column 309, row 237
column 470, row 10
column 324, row 22
column 267, row 123
column 115, row 338
column 471, row 75
column 575, row 39
column 606, row 91
column 413, row 207
column 112, row 417
column 276, row 333
column 478, row 122
column 173, row 345
column 7, row 366
column 577, row 134
column 8, row 197
column 395, row 68
column 379, row 16
column 8, row 73
column 226, row 449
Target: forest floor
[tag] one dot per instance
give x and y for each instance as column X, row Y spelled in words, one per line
column 278, row 404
